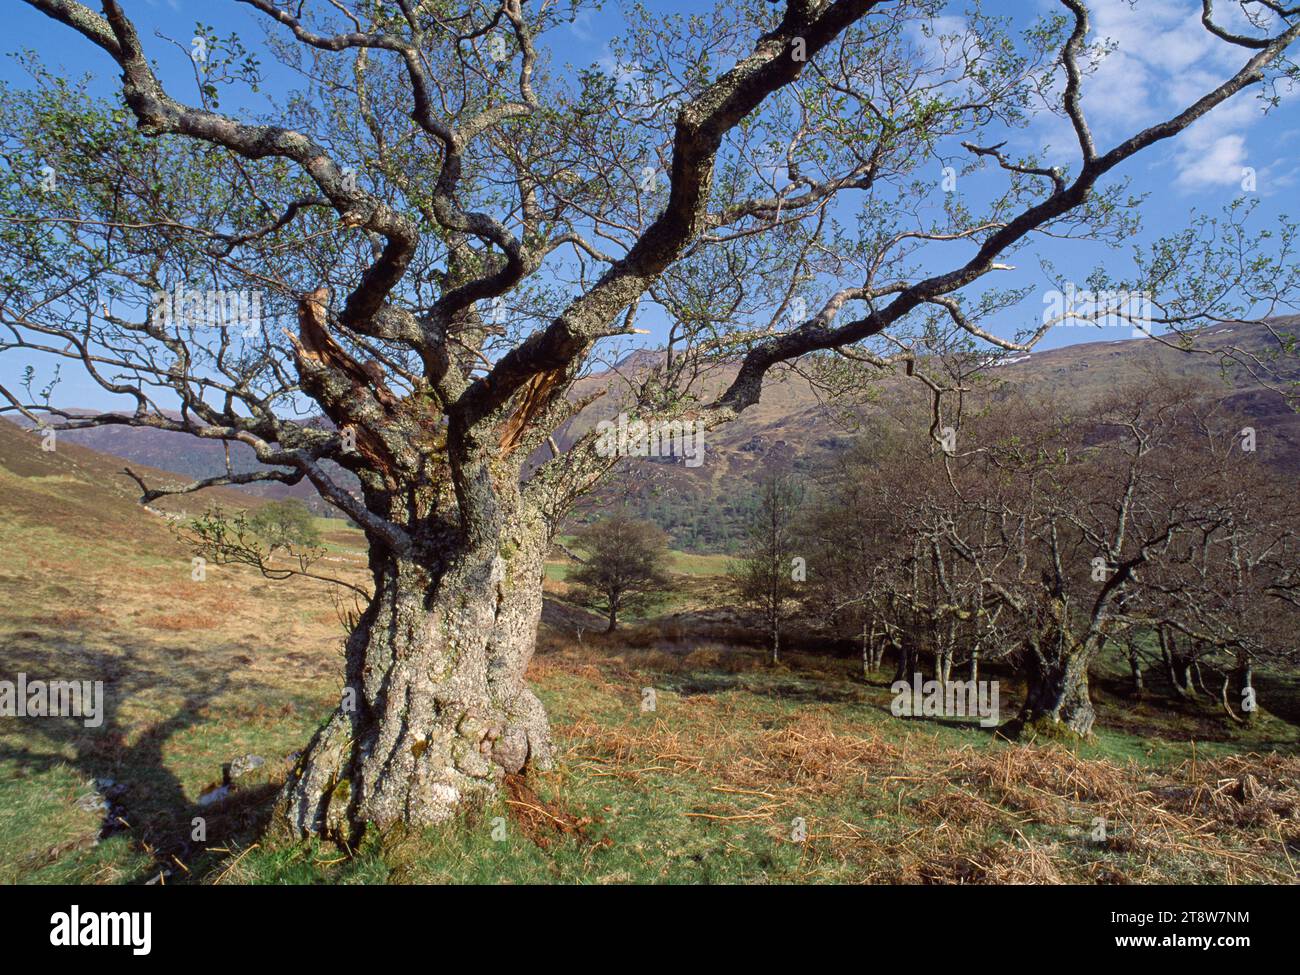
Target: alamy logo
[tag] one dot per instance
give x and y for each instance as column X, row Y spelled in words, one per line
column 102, row 929
column 236, row 310
column 53, row 699
column 950, row 699
column 659, row 438
column 1103, row 309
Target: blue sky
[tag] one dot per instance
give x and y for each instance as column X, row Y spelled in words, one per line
column 1164, row 59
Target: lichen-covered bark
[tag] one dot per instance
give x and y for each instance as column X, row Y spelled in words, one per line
column 1057, row 698
column 1056, row 660
column 435, row 710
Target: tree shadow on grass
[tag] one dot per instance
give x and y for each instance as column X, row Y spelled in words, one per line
column 795, row 689
column 126, row 777
column 1162, row 712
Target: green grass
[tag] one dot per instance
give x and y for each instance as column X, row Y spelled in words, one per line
column 752, row 745
column 707, row 788
column 645, row 817
column 688, row 563
column 340, row 538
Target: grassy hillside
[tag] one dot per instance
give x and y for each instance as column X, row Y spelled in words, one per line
column 714, row 784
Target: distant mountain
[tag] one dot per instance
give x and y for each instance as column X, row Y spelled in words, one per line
column 193, row 459
column 703, row 507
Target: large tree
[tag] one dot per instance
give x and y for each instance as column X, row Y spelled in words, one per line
column 461, row 227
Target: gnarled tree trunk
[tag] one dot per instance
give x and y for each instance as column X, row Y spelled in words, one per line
column 1057, row 696
column 435, row 710
column 1056, row 662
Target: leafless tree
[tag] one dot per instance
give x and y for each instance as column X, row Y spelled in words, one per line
column 1224, row 596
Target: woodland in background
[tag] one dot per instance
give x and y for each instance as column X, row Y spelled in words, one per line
column 1149, row 523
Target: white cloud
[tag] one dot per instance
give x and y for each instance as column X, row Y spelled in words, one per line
column 1163, row 60
column 582, row 28
column 1219, row 162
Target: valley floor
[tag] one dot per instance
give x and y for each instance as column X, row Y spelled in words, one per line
column 741, row 773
